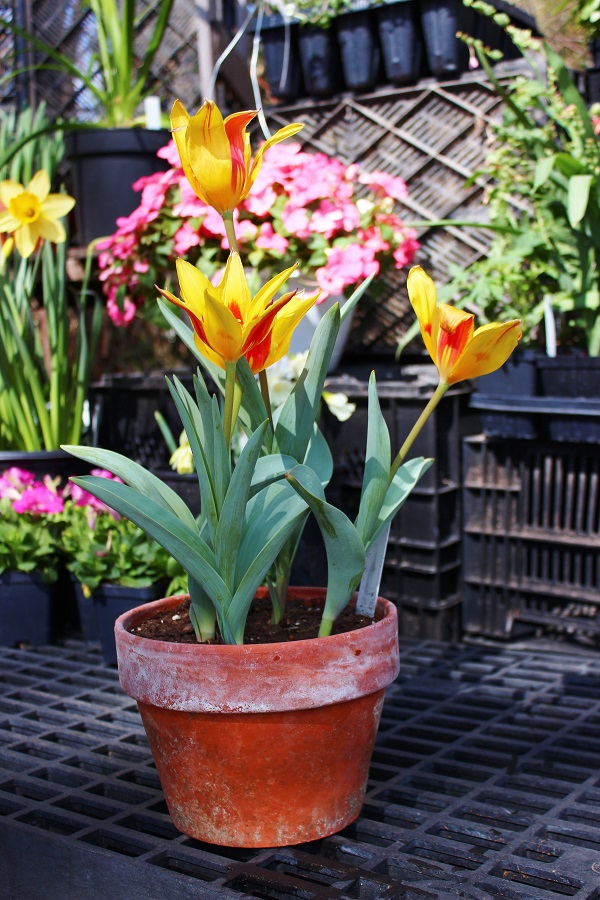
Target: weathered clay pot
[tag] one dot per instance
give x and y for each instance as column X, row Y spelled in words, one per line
column 261, row 745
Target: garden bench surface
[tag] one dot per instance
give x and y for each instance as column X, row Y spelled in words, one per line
column 484, row 783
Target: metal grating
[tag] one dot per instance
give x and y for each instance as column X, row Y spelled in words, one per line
column 434, row 135
column 484, row 783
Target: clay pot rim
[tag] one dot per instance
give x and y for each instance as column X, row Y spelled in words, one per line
column 130, row 618
column 260, row 678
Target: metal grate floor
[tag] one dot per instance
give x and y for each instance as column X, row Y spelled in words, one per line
column 485, row 783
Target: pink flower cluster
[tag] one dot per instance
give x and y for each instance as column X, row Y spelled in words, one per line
column 29, row 495
column 338, row 222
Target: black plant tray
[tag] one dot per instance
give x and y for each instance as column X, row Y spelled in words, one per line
column 484, row 783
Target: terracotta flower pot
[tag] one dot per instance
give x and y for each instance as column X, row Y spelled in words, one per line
column 261, row 745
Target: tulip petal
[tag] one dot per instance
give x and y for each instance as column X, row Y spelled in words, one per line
column 268, row 290
column 489, row 349
column 233, row 289
column 422, row 295
column 451, row 332
column 223, row 331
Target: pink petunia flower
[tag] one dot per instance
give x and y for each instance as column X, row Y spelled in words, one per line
column 37, row 498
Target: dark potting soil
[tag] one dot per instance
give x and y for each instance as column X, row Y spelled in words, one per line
column 302, row 622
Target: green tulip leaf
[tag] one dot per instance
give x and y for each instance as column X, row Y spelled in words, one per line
column 182, row 542
column 377, row 467
column 231, row 521
column 402, row 484
column 343, row 544
column 133, row 474
column 298, row 414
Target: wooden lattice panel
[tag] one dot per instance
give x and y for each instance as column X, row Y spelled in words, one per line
column 67, row 26
column 434, row 135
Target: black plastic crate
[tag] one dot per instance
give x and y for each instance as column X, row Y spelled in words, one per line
column 440, row 620
column 531, row 536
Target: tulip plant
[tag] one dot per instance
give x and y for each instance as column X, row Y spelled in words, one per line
column 253, row 512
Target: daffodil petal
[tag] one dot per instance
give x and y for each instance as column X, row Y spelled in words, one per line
column 26, row 238
column 8, row 222
column 9, row 190
column 40, row 185
column 55, row 206
column 51, row 230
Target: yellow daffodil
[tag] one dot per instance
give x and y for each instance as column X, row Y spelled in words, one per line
column 32, row 212
column 215, row 153
column 228, row 323
column 457, row 349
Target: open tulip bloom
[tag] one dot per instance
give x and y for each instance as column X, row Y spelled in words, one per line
column 253, row 513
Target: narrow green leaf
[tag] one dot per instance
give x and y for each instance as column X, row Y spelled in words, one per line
column 231, row 521
column 543, row 169
column 252, row 401
column 221, row 459
column 377, row 466
column 270, row 469
column 184, row 544
column 318, row 456
column 402, row 484
column 349, row 305
column 343, row 544
column 579, row 194
column 271, row 518
column 192, row 422
column 137, row 477
column 298, row 414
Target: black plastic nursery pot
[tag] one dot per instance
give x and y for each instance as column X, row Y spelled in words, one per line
column 56, row 463
column 26, row 609
column 112, row 600
column 401, row 41
column 104, row 164
column 359, row 50
column 282, row 57
column 319, row 60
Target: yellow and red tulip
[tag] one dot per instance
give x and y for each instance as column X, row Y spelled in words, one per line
column 31, row 213
column 215, row 153
column 458, row 350
column 229, row 323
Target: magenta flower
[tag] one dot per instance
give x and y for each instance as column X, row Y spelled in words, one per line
column 14, row 480
column 305, row 208
column 37, row 498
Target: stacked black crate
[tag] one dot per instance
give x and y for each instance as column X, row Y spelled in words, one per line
column 531, row 537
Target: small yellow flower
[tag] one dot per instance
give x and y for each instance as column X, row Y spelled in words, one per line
column 457, row 349
column 215, row 153
column 32, row 213
column 228, row 323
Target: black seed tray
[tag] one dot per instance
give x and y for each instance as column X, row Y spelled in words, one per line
column 484, row 783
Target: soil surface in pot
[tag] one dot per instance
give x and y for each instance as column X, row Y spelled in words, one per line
column 302, row 623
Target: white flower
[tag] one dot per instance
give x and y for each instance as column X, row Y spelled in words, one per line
column 339, row 405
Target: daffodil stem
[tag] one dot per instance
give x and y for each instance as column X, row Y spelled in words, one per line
column 230, row 231
column 415, row 430
column 228, row 406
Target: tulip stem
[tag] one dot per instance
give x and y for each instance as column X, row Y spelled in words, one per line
column 228, row 405
column 230, row 231
column 264, row 390
column 415, row 430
